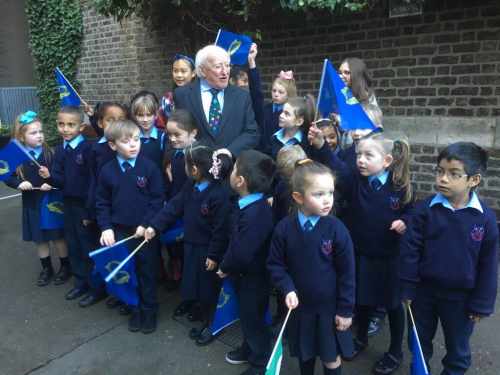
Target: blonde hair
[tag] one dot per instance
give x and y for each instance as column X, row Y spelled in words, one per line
column 374, row 113
column 144, row 102
column 304, row 171
column 288, row 85
column 399, row 149
column 121, row 129
column 286, row 159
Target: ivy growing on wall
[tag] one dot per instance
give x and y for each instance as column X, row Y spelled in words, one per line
column 55, row 35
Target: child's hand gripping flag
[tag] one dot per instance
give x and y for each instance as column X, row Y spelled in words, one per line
column 237, row 45
column 335, row 97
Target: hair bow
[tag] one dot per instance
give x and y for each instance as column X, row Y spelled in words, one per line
column 28, row 117
column 286, row 75
column 180, row 56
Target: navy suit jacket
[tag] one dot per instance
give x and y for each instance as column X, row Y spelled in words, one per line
column 238, row 130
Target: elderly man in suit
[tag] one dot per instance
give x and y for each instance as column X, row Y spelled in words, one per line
column 223, row 112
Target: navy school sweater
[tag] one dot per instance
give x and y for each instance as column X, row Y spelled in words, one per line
column 100, row 154
column 205, row 214
column 31, row 198
column 128, row 198
column 154, row 148
column 369, row 212
column 453, row 252
column 70, row 171
column 318, row 265
column 179, row 177
column 251, row 232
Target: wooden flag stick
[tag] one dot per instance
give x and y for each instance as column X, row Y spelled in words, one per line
column 124, row 261
column 101, row 249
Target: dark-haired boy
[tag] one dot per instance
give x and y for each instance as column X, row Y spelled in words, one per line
column 245, row 259
column 70, row 173
column 449, row 257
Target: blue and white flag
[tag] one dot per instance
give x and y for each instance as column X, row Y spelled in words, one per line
column 418, row 365
column 67, row 94
column 11, row 156
column 124, row 284
column 173, row 234
column 52, row 210
column 237, row 45
column 227, row 311
column 336, row 97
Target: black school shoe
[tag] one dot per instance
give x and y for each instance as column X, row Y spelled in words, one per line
column 358, row 347
column 75, row 293
column 45, row 276
column 148, row 321
column 205, row 337
column 195, row 314
column 183, row 308
column 135, row 321
column 63, row 275
column 387, row 364
column 238, row 356
column 194, row 333
column 125, row 309
column 113, row 302
column 91, row 299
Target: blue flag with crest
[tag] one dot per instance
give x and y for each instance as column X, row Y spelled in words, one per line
column 124, row 285
column 52, row 210
column 11, row 156
column 227, row 311
column 336, row 97
column 418, row 365
column 67, row 94
column 237, row 45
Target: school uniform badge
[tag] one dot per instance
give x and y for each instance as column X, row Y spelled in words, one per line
column 79, row 159
column 477, row 233
column 204, row 209
column 327, row 247
column 394, row 203
column 142, row 181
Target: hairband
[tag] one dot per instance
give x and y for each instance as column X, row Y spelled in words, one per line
column 28, row 117
column 179, row 56
column 304, row 161
column 216, row 164
column 288, row 75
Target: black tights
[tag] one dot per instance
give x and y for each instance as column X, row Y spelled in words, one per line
column 396, row 325
column 307, row 368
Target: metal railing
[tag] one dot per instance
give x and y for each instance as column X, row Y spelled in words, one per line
column 15, row 100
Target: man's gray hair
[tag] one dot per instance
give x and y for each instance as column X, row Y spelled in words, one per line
column 204, row 54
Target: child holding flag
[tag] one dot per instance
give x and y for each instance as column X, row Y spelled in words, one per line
column 70, row 172
column 203, row 204
column 449, row 257
column 29, row 132
column 130, row 191
column 311, row 261
column 245, row 259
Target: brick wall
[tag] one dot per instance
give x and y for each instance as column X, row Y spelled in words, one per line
column 438, row 73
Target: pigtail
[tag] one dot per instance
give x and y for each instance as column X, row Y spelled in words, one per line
column 400, row 168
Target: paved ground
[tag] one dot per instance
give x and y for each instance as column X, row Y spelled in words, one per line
column 41, row 333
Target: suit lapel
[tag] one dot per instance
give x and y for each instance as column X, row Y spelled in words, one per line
column 197, row 104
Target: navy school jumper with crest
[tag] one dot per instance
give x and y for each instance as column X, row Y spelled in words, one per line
column 179, row 177
column 205, row 217
column 455, row 253
column 100, row 154
column 154, row 148
column 317, row 265
column 129, row 198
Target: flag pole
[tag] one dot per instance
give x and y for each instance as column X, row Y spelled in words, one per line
column 417, row 338
column 278, row 339
column 320, row 89
column 217, row 37
column 101, row 249
column 70, row 85
column 124, row 261
column 20, row 145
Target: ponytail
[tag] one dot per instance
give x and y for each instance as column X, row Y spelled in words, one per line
column 304, row 107
column 400, row 168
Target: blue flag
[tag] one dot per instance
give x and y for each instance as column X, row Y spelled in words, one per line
column 67, row 94
column 124, row 285
column 11, row 156
column 174, row 234
column 418, row 366
column 237, row 45
column 227, row 308
column 336, row 97
column 52, row 210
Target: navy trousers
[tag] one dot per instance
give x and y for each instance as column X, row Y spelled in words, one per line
column 147, row 263
column 81, row 240
column 253, row 294
column 430, row 307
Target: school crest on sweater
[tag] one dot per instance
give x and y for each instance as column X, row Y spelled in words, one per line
column 79, row 159
column 327, row 247
column 394, row 203
column 142, row 181
column 204, row 209
column 477, row 233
